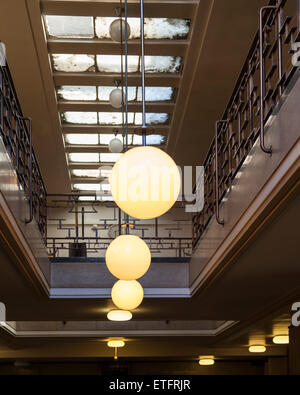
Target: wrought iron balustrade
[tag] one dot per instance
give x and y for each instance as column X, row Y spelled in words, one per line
column 267, row 69
column 17, row 139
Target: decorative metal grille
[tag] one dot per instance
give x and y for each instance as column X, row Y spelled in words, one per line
column 240, row 125
column 18, row 143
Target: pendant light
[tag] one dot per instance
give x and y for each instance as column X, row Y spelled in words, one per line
column 118, row 31
column 128, row 257
column 145, row 181
column 119, row 315
column 127, row 295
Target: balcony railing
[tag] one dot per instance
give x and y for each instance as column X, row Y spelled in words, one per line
column 17, row 139
column 268, row 69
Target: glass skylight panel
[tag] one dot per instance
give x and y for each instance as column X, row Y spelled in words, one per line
column 106, row 157
column 152, row 139
column 70, row 92
column 91, row 173
column 151, row 118
column 156, row 93
column 154, row 28
column 162, row 64
column 112, row 63
column 104, row 171
column 87, row 187
column 82, row 157
column 80, row 117
column 82, row 139
column 70, row 26
column 106, row 138
column 73, row 63
column 104, row 92
column 166, row 28
column 114, row 118
column 102, row 25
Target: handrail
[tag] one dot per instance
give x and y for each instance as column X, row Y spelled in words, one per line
column 249, row 107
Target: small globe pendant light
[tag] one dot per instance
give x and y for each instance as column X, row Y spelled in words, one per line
column 117, row 30
column 116, row 98
column 127, row 295
column 115, row 146
column 128, row 257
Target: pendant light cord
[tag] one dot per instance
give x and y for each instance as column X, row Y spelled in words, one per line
column 143, row 74
column 126, row 97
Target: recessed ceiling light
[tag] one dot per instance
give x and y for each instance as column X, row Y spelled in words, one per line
column 281, row 339
column 206, row 361
column 116, row 343
column 257, row 348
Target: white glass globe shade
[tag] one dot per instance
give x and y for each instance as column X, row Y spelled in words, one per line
column 119, row 315
column 128, row 257
column 145, row 182
column 257, row 348
column 115, row 98
column 127, row 295
column 115, row 30
column 115, row 146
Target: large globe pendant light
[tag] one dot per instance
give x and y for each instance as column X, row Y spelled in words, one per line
column 118, row 31
column 128, row 257
column 145, row 181
column 127, row 295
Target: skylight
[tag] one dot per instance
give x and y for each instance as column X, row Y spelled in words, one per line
column 162, row 64
column 85, row 27
column 104, row 92
column 80, row 117
column 91, row 173
column 69, row 26
column 156, row 93
column 92, row 187
column 112, row 63
column 112, row 118
column 88, row 157
column 93, row 157
column 70, row 92
column 107, row 157
column 154, row 28
column 73, row 63
column 153, row 64
column 152, row 93
column 82, row 139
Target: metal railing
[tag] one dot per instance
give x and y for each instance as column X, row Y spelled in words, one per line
column 17, row 138
column 60, row 246
column 265, row 75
